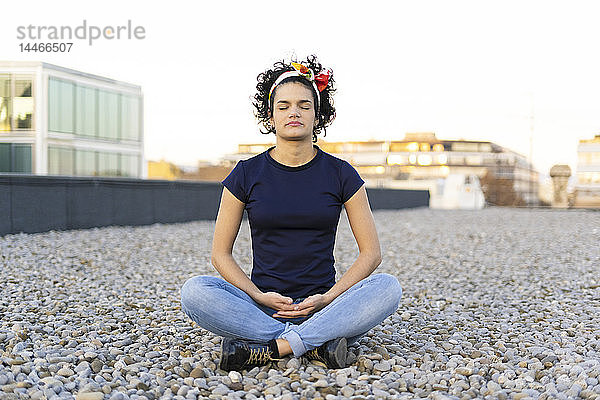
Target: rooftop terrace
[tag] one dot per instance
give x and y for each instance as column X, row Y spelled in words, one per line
column 498, row 303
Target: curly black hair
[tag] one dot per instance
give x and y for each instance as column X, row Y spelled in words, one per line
column 324, row 111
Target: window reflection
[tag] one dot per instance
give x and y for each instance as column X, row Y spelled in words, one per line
column 22, row 87
column 5, row 114
column 16, row 102
column 23, row 112
column 4, row 102
column 61, row 102
column 23, row 103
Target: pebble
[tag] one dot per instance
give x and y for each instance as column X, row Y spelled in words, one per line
column 65, row 371
column 293, row 363
column 90, row 396
column 235, row 376
column 273, row 390
column 382, row 366
column 472, row 297
column 347, row 391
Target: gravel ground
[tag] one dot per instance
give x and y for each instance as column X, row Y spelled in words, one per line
column 497, row 303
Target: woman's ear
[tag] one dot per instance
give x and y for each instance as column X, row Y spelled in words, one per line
column 270, row 121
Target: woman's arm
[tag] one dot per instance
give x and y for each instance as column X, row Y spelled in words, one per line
column 227, row 226
column 363, row 228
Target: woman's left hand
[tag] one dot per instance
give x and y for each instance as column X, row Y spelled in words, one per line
column 308, row 306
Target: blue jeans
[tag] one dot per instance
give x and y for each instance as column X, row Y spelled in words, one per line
column 225, row 310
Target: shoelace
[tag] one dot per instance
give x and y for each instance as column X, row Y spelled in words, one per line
column 259, row 355
column 314, row 355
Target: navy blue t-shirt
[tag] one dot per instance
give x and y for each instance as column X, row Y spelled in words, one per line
column 293, row 214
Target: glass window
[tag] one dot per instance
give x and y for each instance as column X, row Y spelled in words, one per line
column 4, row 85
column 404, row 146
column 465, row 146
column 108, row 115
column 23, row 103
column 456, row 160
column 22, row 158
column 5, row 157
column 438, row 147
column 485, row 147
column 85, row 163
column 130, row 114
column 86, row 115
column 15, row 158
column 108, row 164
column 396, row 159
column 61, row 103
column 5, row 109
column 53, row 160
column 369, row 146
column 129, row 165
column 22, row 87
column 473, row 160
column 23, row 112
column 589, row 157
column 585, row 158
column 60, row 161
column 54, row 105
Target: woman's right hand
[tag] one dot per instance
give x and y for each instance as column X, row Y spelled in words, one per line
column 276, row 301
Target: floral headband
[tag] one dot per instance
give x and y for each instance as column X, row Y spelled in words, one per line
column 319, row 82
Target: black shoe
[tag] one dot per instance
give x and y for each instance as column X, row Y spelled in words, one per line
column 239, row 354
column 332, row 353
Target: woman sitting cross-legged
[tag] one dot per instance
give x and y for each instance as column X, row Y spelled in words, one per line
column 293, row 194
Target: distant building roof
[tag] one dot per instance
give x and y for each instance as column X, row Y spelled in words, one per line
column 9, row 64
column 595, row 139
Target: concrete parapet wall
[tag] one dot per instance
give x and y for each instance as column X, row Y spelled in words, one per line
column 34, row 203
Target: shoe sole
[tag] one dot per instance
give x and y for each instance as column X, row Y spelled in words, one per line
column 340, row 352
column 223, row 360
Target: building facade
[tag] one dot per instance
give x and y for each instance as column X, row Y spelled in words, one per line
column 59, row 121
column 420, row 160
column 163, row 170
column 587, row 189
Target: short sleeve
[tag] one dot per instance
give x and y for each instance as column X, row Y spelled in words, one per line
column 236, row 182
column 350, row 180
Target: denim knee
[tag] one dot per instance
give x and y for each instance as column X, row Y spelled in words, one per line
column 390, row 289
column 193, row 287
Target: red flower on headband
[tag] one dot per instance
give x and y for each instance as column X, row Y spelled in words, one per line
column 322, row 80
column 303, row 69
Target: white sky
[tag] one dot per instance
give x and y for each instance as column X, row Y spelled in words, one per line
column 463, row 69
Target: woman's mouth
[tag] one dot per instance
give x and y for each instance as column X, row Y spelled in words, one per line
column 294, row 123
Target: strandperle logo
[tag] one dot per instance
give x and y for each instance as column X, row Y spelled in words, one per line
column 87, row 32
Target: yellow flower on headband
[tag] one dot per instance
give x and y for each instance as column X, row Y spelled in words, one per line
column 304, row 70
